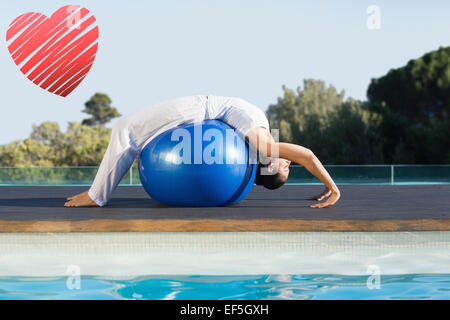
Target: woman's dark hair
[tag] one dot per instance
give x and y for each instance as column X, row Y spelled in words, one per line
column 269, row 181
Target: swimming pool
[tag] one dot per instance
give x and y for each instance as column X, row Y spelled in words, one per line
column 227, row 265
column 237, row 287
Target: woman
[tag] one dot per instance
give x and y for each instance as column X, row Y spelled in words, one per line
column 132, row 133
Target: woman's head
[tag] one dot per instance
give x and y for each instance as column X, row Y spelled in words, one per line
column 275, row 174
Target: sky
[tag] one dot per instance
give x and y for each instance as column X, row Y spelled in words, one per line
column 152, row 51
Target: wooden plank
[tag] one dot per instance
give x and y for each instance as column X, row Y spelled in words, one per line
column 361, row 208
column 224, row 225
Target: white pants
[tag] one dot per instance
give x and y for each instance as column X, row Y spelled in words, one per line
column 132, row 133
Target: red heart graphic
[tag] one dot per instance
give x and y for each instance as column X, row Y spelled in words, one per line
column 55, row 53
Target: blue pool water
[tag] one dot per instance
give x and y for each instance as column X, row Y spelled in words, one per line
column 411, row 286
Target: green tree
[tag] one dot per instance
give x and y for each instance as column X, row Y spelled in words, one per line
column 307, row 107
column 80, row 145
column 99, row 107
column 317, row 117
column 414, row 104
column 84, row 145
column 349, row 137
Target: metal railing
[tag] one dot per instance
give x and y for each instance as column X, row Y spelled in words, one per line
column 341, row 174
column 377, row 174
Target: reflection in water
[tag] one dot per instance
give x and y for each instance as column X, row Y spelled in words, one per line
column 258, row 287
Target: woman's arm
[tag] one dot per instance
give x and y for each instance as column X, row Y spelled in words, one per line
column 264, row 143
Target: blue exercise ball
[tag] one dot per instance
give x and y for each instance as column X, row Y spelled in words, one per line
column 198, row 165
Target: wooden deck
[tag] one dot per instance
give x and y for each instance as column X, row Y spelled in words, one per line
column 361, row 208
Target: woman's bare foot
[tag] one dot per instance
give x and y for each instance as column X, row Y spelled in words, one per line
column 77, row 195
column 80, row 200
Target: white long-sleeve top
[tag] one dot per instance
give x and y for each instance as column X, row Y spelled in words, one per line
column 132, row 133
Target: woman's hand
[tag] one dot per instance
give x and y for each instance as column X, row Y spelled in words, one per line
column 335, row 195
column 325, row 193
